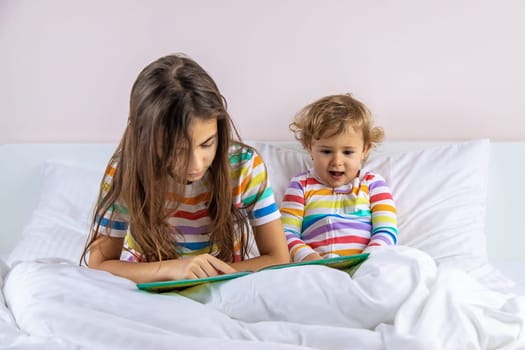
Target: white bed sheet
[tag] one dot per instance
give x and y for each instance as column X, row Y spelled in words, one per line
column 398, row 299
column 515, row 271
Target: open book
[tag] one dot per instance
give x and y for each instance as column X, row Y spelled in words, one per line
column 343, row 262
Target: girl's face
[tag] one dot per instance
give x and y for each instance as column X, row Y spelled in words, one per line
column 204, row 138
column 337, row 158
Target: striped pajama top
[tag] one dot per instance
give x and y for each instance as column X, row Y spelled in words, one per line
column 337, row 221
column 249, row 178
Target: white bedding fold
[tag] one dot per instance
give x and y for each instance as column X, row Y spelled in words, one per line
column 397, row 299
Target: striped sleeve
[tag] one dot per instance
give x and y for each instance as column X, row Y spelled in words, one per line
column 292, row 213
column 252, row 187
column 383, row 210
column 115, row 221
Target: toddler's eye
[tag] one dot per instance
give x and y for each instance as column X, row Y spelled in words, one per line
column 326, row 151
column 348, row 153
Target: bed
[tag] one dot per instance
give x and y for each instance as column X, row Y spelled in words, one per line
column 461, row 238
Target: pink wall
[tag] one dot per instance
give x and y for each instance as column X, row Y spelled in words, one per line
column 438, row 70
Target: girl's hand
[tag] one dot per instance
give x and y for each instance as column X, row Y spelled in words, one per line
column 198, row 266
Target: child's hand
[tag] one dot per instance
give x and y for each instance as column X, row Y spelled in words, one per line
column 312, row 256
column 371, row 249
column 199, row 266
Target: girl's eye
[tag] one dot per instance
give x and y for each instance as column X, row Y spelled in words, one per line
column 348, row 153
column 326, row 151
column 209, row 143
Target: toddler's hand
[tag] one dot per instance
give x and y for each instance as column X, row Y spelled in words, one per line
column 371, row 249
column 312, row 256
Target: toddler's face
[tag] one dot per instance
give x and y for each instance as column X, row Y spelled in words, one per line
column 337, row 159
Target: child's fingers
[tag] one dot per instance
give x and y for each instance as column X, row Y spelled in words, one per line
column 221, row 266
column 207, row 269
column 205, row 265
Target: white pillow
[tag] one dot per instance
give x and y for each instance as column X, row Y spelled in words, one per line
column 440, row 194
column 6, row 318
column 59, row 224
column 68, row 192
column 48, row 238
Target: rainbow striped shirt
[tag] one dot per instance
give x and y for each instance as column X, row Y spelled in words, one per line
column 249, row 178
column 337, row 221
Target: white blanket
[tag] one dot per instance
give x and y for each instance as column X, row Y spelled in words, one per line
column 397, row 299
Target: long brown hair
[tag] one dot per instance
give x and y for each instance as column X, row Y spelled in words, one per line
column 166, row 96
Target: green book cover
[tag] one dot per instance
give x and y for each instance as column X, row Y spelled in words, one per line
column 343, row 262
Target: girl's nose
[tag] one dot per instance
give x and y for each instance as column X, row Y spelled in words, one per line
column 194, row 161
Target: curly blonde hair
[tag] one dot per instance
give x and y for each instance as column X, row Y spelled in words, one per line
column 334, row 114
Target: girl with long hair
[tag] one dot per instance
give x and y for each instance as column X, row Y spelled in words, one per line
column 182, row 197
